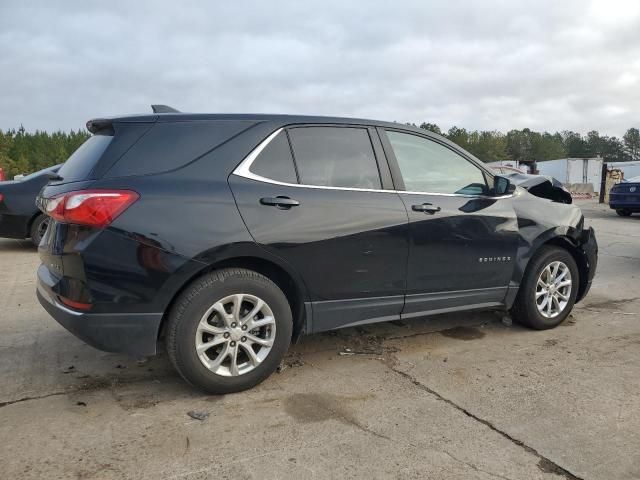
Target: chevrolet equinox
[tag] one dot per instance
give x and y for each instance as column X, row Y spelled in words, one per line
column 229, row 236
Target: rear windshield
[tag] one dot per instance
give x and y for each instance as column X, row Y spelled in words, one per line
column 79, row 165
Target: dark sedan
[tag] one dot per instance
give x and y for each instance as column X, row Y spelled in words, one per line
column 624, row 197
column 19, row 215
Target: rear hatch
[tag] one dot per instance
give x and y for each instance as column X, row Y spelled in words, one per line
column 109, row 142
column 102, row 179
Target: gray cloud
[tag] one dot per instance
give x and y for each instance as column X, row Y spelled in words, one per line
column 482, row 65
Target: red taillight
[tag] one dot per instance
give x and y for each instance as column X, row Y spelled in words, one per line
column 95, row 208
column 1, row 197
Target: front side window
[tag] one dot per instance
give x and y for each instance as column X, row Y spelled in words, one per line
column 427, row 166
column 275, row 161
column 335, row 157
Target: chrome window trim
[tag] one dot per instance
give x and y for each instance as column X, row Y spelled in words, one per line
column 244, row 170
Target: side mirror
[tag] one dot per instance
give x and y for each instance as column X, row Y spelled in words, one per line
column 502, row 186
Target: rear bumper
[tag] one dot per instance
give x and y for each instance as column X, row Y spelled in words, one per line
column 632, row 206
column 135, row 334
column 14, row 226
column 627, row 200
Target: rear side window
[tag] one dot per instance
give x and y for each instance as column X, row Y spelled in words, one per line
column 171, row 145
column 335, row 157
column 275, row 161
column 79, row 165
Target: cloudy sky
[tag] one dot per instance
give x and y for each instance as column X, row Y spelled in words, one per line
column 547, row 65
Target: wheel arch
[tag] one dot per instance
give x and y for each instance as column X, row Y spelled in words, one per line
column 565, row 241
column 284, row 278
column 580, row 258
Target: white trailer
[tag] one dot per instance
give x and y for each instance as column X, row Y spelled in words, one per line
column 574, row 170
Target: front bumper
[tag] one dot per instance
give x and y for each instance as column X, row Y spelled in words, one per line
column 135, row 334
column 589, row 247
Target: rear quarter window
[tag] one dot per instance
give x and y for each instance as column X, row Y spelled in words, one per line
column 275, row 162
column 171, row 145
column 79, row 165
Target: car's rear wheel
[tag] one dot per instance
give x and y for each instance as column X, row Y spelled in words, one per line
column 229, row 330
column 548, row 290
column 38, row 228
column 623, row 212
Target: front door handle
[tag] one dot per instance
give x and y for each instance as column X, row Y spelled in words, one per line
column 283, row 203
column 426, row 208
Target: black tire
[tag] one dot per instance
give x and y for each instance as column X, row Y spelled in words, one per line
column 38, row 228
column 623, row 212
column 524, row 310
column 194, row 302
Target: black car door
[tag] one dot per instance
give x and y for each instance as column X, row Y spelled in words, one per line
column 333, row 215
column 463, row 241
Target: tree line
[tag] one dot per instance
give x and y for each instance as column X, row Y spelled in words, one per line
column 526, row 144
column 22, row 152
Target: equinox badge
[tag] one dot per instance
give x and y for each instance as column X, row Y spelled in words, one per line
column 494, row 259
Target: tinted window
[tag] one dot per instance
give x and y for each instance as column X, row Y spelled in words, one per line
column 427, row 166
column 275, row 161
column 79, row 165
column 171, row 145
column 335, row 157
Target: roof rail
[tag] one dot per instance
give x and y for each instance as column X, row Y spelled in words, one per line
column 163, row 109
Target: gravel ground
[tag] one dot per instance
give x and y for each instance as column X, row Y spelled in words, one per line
column 452, row 396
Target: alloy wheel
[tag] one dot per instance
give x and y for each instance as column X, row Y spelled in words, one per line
column 235, row 334
column 553, row 289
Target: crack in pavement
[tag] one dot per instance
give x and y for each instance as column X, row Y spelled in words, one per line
column 37, row 397
column 94, row 384
column 549, row 465
column 476, row 468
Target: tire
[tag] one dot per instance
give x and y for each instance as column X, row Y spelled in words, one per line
column 531, row 294
column 204, row 314
column 623, row 212
column 38, row 228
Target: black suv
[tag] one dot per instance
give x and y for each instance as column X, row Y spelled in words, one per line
column 229, row 236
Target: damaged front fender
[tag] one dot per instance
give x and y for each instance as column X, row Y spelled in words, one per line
column 547, row 222
column 542, row 186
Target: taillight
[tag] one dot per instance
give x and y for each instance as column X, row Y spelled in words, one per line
column 95, row 208
column 1, row 197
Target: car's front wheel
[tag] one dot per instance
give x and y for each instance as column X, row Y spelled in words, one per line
column 548, row 290
column 623, row 212
column 229, row 330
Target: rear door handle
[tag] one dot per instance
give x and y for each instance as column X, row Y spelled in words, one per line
column 426, row 208
column 283, row 203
